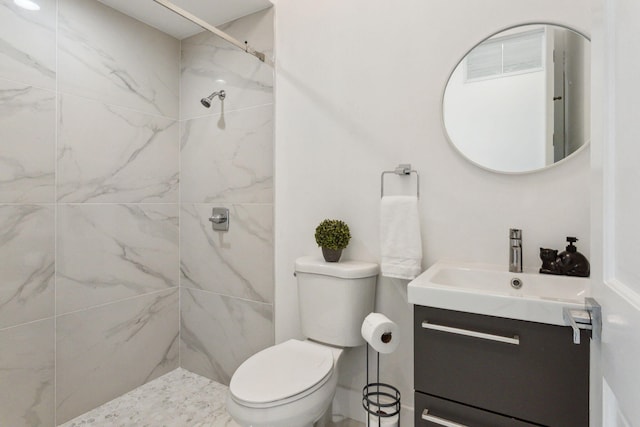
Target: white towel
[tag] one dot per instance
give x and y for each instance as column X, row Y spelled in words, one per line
column 401, row 246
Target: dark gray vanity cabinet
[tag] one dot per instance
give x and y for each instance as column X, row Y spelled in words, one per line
column 483, row 371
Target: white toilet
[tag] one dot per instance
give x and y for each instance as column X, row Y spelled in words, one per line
column 292, row 384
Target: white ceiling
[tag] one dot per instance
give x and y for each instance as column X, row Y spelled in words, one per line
column 215, row 12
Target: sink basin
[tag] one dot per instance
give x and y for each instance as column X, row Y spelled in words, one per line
column 487, row 289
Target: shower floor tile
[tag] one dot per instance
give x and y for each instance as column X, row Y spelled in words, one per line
column 177, row 399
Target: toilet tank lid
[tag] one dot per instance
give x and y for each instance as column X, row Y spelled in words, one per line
column 342, row 269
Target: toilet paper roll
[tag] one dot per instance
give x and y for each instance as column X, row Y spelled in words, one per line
column 381, row 333
column 375, row 421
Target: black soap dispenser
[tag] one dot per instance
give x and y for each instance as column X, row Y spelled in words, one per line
column 572, row 262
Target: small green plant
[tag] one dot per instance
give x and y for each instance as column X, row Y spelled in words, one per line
column 333, row 234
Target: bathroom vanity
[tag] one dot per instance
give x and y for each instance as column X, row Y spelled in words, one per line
column 490, row 355
column 505, row 372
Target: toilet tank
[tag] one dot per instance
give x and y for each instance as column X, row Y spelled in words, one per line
column 334, row 298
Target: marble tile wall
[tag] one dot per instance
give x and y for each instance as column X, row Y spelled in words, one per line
column 110, row 252
column 27, row 214
column 27, row 143
column 209, row 63
column 219, row 332
column 27, row 374
column 134, row 66
column 27, row 251
column 139, row 166
column 28, row 44
column 226, row 278
column 237, row 263
column 131, row 342
column 231, row 163
column 105, row 194
column 89, row 208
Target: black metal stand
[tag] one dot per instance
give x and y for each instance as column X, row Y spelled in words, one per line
column 379, row 399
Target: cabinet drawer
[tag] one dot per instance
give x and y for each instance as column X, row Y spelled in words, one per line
column 528, row 370
column 435, row 412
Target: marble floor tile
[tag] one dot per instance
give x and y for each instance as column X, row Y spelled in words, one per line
column 177, row 399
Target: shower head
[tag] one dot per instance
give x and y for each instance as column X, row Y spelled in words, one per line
column 207, row 101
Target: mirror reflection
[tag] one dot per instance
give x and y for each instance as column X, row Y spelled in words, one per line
column 519, row 101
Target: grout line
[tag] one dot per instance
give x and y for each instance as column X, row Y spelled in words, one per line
column 116, row 203
column 228, row 296
column 221, row 203
column 237, row 110
column 54, row 90
column 179, row 147
column 274, row 177
column 30, row 322
column 29, row 203
column 122, row 107
column 104, row 304
column 55, row 226
column 146, row 113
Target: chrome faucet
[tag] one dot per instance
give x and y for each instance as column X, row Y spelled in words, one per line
column 515, row 250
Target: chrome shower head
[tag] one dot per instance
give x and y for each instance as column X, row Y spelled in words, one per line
column 207, row 101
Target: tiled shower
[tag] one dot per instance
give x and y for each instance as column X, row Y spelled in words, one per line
column 109, row 168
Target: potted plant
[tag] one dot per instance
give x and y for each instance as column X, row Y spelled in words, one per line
column 332, row 235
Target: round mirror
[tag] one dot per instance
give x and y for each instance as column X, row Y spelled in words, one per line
column 519, row 101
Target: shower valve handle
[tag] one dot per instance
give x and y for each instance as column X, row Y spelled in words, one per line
column 218, row 219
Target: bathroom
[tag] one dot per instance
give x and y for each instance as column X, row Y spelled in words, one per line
column 353, row 93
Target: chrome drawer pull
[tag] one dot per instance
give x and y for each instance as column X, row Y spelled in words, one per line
column 439, row 421
column 509, row 340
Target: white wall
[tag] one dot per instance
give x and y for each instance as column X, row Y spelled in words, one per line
column 358, row 90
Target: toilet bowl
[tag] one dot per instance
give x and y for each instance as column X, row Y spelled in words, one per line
column 292, row 384
column 287, row 385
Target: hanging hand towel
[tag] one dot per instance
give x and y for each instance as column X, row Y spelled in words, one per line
column 401, row 249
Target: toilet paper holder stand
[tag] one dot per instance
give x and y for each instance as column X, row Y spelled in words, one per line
column 380, row 400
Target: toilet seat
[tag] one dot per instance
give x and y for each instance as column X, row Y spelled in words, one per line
column 281, row 374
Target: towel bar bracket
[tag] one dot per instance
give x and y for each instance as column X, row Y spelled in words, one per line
column 401, row 170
